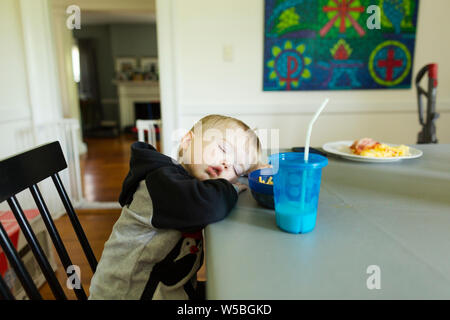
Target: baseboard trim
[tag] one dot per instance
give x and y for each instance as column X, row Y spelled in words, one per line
column 97, row 205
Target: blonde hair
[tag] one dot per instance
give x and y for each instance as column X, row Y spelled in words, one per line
column 224, row 123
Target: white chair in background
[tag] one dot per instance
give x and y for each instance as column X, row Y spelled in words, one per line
column 149, row 126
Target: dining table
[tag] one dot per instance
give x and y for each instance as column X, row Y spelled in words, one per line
column 382, row 232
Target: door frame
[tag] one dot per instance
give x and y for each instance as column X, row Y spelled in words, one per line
column 168, row 75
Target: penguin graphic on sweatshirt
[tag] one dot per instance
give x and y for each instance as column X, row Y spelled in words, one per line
column 182, row 263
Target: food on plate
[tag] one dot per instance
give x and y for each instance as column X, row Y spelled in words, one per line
column 269, row 181
column 368, row 147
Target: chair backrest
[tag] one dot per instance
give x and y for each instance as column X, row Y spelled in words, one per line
column 149, row 127
column 25, row 171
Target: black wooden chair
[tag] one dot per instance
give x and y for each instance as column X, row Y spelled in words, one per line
column 24, row 171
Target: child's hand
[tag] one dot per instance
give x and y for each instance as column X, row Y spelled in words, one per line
column 240, row 186
column 263, row 165
column 259, row 166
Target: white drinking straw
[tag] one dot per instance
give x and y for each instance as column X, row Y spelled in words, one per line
column 308, row 138
column 311, row 123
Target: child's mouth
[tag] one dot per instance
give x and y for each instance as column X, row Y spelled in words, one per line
column 214, row 171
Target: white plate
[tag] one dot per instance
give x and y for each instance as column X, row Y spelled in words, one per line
column 342, row 149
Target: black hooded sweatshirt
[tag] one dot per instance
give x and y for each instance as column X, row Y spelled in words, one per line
column 180, row 201
column 156, row 246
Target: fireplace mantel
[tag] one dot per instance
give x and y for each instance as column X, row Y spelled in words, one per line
column 131, row 92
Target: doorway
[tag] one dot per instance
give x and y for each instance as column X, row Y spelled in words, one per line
column 118, row 85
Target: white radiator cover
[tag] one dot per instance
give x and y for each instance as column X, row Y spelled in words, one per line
column 65, row 131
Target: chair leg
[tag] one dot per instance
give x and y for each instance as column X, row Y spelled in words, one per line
column 13, row 258
column 36, row 248
column 5, row 293
column 56, row 238
column 75, row 222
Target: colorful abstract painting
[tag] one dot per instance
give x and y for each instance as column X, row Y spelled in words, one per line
column 338, row 44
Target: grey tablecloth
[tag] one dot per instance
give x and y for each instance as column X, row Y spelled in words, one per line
column 393, row 216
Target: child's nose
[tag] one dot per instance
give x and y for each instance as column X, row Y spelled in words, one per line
column 226, row 165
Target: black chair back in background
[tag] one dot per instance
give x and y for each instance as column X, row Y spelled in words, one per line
column 25, row 171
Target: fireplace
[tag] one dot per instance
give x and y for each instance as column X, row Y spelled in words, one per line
column 137, row 96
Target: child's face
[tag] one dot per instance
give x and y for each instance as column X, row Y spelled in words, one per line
column 216, row 158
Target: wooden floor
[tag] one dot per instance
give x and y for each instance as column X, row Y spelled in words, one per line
column 103, row 169
column 105, row 166
column 97, row 224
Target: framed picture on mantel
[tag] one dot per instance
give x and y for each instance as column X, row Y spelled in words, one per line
column 126, row 64
column 149, row 64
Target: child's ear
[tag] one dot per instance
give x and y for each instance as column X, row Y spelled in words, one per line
column 186, row 140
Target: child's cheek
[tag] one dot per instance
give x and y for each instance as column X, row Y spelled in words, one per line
column 230, row 176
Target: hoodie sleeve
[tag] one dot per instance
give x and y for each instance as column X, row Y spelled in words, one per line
column 184, row 203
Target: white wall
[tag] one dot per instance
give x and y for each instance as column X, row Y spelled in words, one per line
column 205, row 83
column 29, row 90
column 15, row 111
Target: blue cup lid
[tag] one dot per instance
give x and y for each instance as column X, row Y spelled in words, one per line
column 296, row 159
